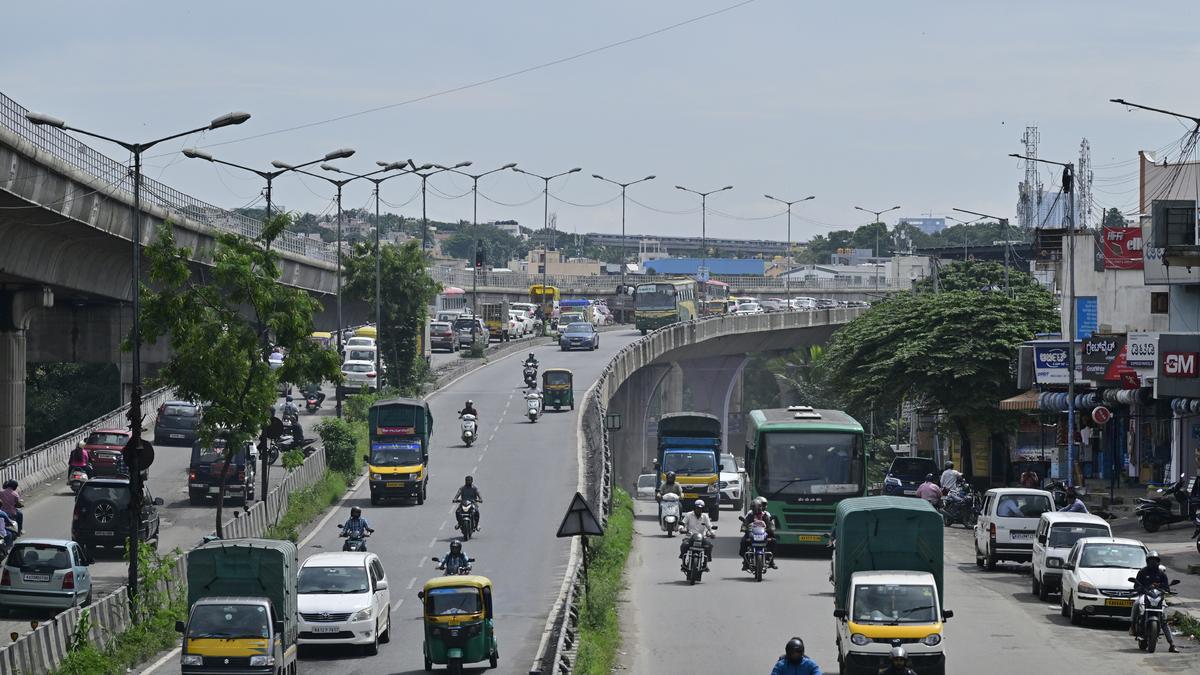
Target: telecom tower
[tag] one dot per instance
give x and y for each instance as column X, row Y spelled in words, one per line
column 1029, row 200
column 1083, row 186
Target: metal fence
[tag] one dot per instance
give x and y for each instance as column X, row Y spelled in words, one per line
column 118, row 178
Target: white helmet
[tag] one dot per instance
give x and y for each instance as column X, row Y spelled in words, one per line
column 699, row 504
column 761, row 501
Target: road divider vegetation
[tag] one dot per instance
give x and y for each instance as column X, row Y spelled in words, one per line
column 599, row 630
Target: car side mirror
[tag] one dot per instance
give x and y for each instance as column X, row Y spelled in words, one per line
column 1068, row 566
column 436, row 560
column 381, row 585
column 1175, row 582
column 839, row 613
column 180, row 627
column 158, row 501
column 1133, row 579
column 471, row 560
column 420, row 595
column 947, row 614
column 1042, row 539
column 742, row 518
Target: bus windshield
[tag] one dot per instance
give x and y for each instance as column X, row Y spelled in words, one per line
column 792, row 464
column 689, row 462
column 655, row 296
column 395, row 454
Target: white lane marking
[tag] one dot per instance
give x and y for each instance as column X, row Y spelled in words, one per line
column 444, row 524
column 161, row 662
column 421, row 563
column 476, row 469
column 333, row 511
column 399, row 602
column 412, row 582
column 433, row 542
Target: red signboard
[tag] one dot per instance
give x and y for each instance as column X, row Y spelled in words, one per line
column 1122, row 247
column 1179, row 364
column 1101, row 415
column 395, row 431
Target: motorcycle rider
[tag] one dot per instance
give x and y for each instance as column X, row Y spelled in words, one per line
column 468, row 491
column 697, row 521
column 10, row 504
column 289, row 409
column 950, row 477
column 531, row 360
column 1074, row 503
column 469, row 409
column 1030, row 479
column 794, row 662
column 456, row 556
column 1153, row 574
column 758, row 511
column 930, row 491
column 356, row 526
column 899, row 664
column 313, row 390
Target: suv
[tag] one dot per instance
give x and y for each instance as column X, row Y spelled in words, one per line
column 1007, row 524
column 100, row 517
column 104, row 448
column 907, row 473
column 462, row 327
column 1056, row 534
column 443, row 336
column 204, row 472
column 732, row 480
column 176, row 423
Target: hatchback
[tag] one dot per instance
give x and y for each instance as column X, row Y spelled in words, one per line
column 356, row 375
column 176, row 423
column 104, row 448
column 46, row 573
column 1095, row 578
column 343, row 598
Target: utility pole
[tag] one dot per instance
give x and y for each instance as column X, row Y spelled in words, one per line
column 787, row 277
column 1004, row 229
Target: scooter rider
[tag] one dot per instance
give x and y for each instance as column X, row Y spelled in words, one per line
column 1074, row 503
column 290, row 409
column 1153, row 574
column 469, row 492
column 10, row 504
column 794, row 662
column 313, row 390
column 79, row 458
column 758, row 511
column 456, row 556
column 531, row 360
column 899, row 664
column 697, row 521
column 669, row 485
column 469, row 409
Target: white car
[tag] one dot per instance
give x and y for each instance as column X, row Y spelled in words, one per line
column 359, row 341
column 46, row 574
column 516, row 325
column 774, row 304
column 732, row 481
column 749, row 308
column 646, row 486
column 1056, row 534
column 358, row 374
column 1095, row 578
column 804, row 304
column 1007, row 523
column 343, row 598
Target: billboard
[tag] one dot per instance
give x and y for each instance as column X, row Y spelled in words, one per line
column 1103, row 357
column 1050, row 362
column 1121, row 248
column 1087, row 316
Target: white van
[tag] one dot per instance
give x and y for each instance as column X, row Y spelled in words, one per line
column 360, row 353
column 1006, row 524
column 1056, row 534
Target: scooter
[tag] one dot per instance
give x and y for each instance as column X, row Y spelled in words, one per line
column 1159, row 511
column 533, row 406
column 464, row 517
column 311, row 403
column 468, row 429
column 356, row 542
column 694, row 559
column 669, row 513
column 455, row 568
column 78, row 476
column 530, row 376
column 757, row 558
column 1153, row 619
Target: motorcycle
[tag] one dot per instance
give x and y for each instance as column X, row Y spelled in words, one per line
column 757, row 558
column 533, row 406
column 464, row 517
column 1159, row 511
column 356, row 542
column 288, row 442
column 78, row 476
column 961, row 505
column 468, row 429
column 453, row 568
column 311, row 403
column 1153, row 618
column 530, row 376
column 693, row 559
column 669, row 513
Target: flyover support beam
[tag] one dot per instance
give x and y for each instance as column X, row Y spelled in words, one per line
column 711, row 384
column 633, row 444
column 16, row 311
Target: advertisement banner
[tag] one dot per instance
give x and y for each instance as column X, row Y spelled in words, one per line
column 1141, row 351
column 1050, row 363
column 1087, row 316
column 1099, row 353
column 1122, row 248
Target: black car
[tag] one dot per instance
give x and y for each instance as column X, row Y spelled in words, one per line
column 907, row 473
column 204, row 472
column 176, row 423
column 101, row 515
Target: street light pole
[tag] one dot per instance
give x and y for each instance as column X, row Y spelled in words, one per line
column 877, row 215
column 787, row 278
column 546, row 226
column 960, row 221
column 425, row 174
column 475, row 233
column 624, row 243
column 269, row 176
column 134, row 447
column 1004, row 228
column 704, row 232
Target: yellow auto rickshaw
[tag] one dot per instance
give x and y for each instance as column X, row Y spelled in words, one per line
column 459, row 627
column 366, row 331
column 556, row 388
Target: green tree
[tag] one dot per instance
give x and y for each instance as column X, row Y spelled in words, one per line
column 407, row 290
column 953, row 350
column 1114, row 218
column 60, row 397
column 222, row 330
column 498, row 247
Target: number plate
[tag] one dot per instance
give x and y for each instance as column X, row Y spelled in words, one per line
column 396, row 484
column 214, row 490
column 36, row 577
column 326, row 629
column 810, row 537
column 1118, row 602
column 103, row 533
column 176, row 435
column 910, row 493
column 1021, row 535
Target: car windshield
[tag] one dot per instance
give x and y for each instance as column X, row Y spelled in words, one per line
column 729, row 465
column 464, row 324
column 452, row 601
column 47, row 557
column 395, row 454
column 1023, row 506
column 555, row 377
column 912, row 468
column 810, row 463
column 894, row 604
column 106, row 438
column 689, row 462
column 317, row 579
column 1122, row 556
column 180, row 411
column 585, row 328
column 360, row 355
column 94, row 493
column 1066, row 534
column 229, row 621
column 360, row 342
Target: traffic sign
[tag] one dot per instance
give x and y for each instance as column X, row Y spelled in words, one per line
column 1101, row 415
column 145, row 454
column 579, row 519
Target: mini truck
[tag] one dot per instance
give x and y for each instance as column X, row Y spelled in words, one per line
column 887, row 576
column 689, row 444
column 242, row 617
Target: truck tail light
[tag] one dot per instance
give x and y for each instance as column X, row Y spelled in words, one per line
column 69, row 581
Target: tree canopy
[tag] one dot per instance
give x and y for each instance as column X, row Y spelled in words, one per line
column 498, row 247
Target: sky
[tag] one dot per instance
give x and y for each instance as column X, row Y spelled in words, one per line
column 869, row 104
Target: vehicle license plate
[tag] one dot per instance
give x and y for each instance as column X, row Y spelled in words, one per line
column 1021, row 534
column 103, row 533
column 910, row 493
column 1118, row 602
column 396, row 484
column 36, row 577
column 810, row 537
column 176, row 435
column 214, row 490
column 325, row 629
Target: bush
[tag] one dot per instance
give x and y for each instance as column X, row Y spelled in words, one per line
column 599, row 630
column 293, row 459
column 357, row 405
column 341, row 445
column 305, row 505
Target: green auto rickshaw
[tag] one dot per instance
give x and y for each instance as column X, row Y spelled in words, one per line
column 459, row 626
column 556, row 388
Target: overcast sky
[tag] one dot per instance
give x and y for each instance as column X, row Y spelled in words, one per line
column 859, row 103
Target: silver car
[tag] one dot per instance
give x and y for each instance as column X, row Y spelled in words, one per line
column 46, row 574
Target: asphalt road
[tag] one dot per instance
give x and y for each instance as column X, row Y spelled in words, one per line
column 48, row 513
column 729, row 624
column 527, row 474
column 441, row 358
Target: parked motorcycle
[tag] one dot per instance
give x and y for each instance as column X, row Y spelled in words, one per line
column 1153, row 618
column 961, row 505
column 531, row 376
column 533, row 406
column 469, row 429
column 356, row 542
column 78, row 476
column 464, row 518
column 1158, row 511
column 669, row 513
column 693, row 559
column 452, row 567
column 757, row 558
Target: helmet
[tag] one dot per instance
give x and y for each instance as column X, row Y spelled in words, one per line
column 288, row 399
column 928, row 478
column 79, row 445
column 949, row 465
column 670, row 476
column 794, row 650
column 531, row 357
column 456, row 546
column 470, row 403
column 1153, row 558
column 469, row 480
column 355, row 512
column 899, row 656
column 699, row 504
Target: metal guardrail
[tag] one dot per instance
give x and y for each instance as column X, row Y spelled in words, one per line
column 117, row 175
column 578, row 283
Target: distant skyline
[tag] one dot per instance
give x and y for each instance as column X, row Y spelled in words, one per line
column 869, row 104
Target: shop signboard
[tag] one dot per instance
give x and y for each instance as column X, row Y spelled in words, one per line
column 1178, row 365
column 1140, row 352
column 1121, row 248
column 1050, row 362
column 1087, row 316
column 1099, row 354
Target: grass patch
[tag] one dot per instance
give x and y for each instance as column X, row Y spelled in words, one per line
column 1186, row 624
column 599, row 630
column 305, row 505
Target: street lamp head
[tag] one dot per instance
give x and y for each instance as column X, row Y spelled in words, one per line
column 575, row 170
column 425, row 166
column 341, row 153
column 510, row 165
column 598, row 176
column 727, row 187
column 281, row 165
column 775, row 198
column 680, row 187
column 330, row 167
column 519, row 169
column 461, row 165
column 229, row 120
column 45, row 120
column 194, row 153
column 893, row 208
column 395, row 166
column 808, row 198
column 650, row 177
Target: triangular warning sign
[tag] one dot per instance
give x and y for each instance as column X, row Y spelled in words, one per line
column 579, row 519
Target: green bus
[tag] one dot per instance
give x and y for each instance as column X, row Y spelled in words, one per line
column 664, row 303
column 804, row 461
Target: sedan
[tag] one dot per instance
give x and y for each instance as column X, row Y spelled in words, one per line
column 104, row 448
column 46, row 574
column 343, row 598
column 579, row 335
column 1095, row 579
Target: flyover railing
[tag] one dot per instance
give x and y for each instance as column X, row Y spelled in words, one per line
column 118, row 177
column 583, row 283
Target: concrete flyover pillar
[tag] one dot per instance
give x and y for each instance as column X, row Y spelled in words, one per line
column 711, row 384
column 633, row 445
column 16, row 311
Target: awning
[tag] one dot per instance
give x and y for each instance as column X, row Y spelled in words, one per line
column 1026, row 400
